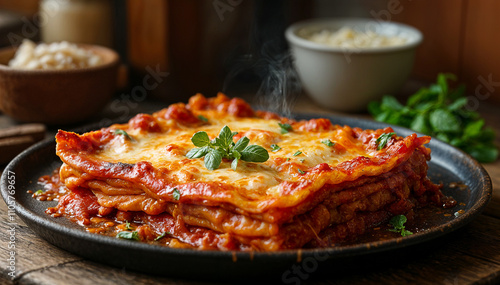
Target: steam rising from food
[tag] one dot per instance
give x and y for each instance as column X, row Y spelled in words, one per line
column 268, row 61
column 280, row 84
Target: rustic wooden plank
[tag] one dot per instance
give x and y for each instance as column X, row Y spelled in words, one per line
column 493, row 208
column 485, row 231
column 440, row 24
column 481, row 57
column 31, row 252
column 85, row 272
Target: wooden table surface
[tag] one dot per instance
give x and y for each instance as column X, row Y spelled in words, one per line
column 470, row 255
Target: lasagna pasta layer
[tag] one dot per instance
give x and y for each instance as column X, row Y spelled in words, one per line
column 305, row 187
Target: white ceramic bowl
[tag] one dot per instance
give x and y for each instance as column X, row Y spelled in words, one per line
column 347, row 79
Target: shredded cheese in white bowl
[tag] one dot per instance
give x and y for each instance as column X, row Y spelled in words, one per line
column 61, row 55
column 351, row 38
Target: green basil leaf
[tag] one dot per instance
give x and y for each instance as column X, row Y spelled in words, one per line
column 442, row 81
column 198, row 152
column 395, row 118
column 459, row 103
column 374, row 108
column 420, row 124
column 405, row 232
column 128, row 235
column 285, row 128
column 241, row 144
column 444, row 137
column 123, row 133
column 425, row 107
column 473, row 129
column 254, row 153
column 300, row 171
column 225, row 137
column 423, row 94
column 391, row 103
column 127, row 226
column 398, row 221
column 487, row 135
column 458, row 142
column 382, row 117
column 162, row 236
column 235, row 154
column 298, row 152
column 483, row 153
column 443, row 121
column 275, row 147
column 200, row 139
column 176, row 194
column 234, row 164
column 203, row 118
column 213, row 159
column 383, row 139
column 327, row 142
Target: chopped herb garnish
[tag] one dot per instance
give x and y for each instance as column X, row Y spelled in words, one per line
column 38, row 192
column 328, row 142
column 383, row 139
column 302, row 160
column 127, row 226
column 288, row 159
column 298, row 152
column 162, row 236
column 285, row 128
column 398, row 223
column 224, row 147
column 203, row 118
column 123, row 133
column 442, row 112
column 176, row 194
column 275, row 147
column 128, row 235
column 300, row 171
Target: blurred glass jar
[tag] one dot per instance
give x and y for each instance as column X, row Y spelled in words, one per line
column 77, row 21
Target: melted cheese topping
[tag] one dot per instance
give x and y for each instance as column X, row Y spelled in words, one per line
column 154, row 158
column 167, row 151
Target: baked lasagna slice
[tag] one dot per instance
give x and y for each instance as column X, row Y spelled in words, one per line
column 323, row 184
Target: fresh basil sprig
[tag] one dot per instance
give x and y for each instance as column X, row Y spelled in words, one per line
column 441, row 112
column 162, row 236
column 123, row 133
column 327, row 142
column 383, row 139
column 285, row 128
column 128, row 235
column 176, row 194
column 203, row 118
column 398, row 223
column 275, row 147
column 224, row 147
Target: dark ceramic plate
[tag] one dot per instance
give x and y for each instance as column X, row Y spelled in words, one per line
column 448, row 165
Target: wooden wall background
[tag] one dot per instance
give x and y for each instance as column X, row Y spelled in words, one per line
column 460, row 36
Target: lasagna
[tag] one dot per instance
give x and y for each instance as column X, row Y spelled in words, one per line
column 321, row 184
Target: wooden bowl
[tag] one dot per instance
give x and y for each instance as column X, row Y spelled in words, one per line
column 57, row 96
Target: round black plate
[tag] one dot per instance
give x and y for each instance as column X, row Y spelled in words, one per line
column 448, row 165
